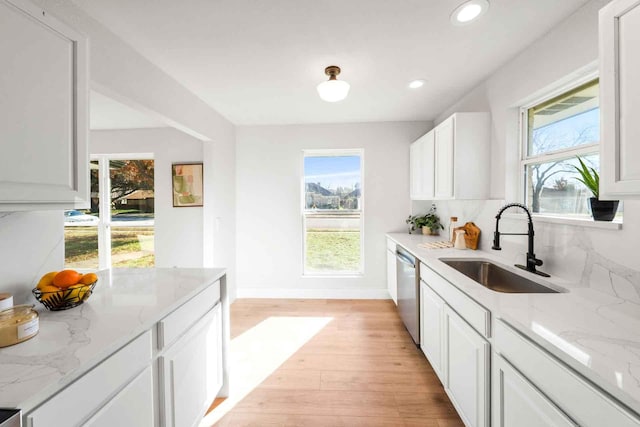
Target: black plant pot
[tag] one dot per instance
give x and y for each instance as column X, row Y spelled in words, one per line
column 603, row 210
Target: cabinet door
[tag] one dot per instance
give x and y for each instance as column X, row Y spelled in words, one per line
column 43, row 111
column 466, row 370
column 190, row 372
column 415, row 169
column 517, row 403
column 620, row 99
column 431, row 315
column 444, row 152
column 392, row 285
column 133, row 406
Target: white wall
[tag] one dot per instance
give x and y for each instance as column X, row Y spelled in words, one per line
column 599, row 258
column 268, row 209
column 178, row 231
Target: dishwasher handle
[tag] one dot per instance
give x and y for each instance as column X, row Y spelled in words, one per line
column 405, row 260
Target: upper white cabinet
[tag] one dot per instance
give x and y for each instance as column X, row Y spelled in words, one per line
column 452, row 161
column 620, row 99
column 43, row 111
column 422, row 172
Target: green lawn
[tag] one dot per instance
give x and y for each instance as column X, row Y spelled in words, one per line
column 81, row 245
column 333, row 250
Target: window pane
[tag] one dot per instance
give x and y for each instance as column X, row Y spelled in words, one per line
column 81, row 230
column 332, row 182
column 567, row 121
column 332, row 218
column 332, row 243
column 552, row 187
column 132, row 213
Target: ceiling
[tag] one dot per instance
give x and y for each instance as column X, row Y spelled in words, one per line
column 258, row 62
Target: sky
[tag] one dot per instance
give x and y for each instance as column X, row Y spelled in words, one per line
column 564, row 132
column 332, row 172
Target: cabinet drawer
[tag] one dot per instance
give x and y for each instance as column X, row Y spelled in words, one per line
column 176, row 323
column 391, row 245
column 78, row 401
column 476, row 315
column 582, row 401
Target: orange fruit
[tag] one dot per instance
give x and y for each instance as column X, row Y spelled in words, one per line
column 66, row 278
column 88, row 278
column 48, row 291
column 47, row 280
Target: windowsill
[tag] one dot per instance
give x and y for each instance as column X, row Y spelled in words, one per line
column 616, row 224
column 332, row 276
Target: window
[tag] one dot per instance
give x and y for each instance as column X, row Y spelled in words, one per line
column 332, row 212
column 555, row 132
column 121, row 235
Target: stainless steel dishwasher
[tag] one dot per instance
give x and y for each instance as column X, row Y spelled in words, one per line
column 408, row 274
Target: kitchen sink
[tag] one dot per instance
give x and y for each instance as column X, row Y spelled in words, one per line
column 496, row 278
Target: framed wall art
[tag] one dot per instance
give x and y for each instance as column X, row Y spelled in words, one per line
column 187, row 184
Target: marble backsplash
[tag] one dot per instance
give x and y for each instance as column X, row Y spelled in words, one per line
column 31, row 244
column 602, row 259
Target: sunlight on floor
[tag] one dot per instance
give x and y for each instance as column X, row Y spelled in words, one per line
column 258, row 352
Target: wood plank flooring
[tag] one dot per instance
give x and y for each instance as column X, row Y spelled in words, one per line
column 361, row 369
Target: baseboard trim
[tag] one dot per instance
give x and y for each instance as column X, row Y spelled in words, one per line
column 312, row 293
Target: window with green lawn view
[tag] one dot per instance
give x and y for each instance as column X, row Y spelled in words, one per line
column 332, row 212
column 556, row 132
column 123, row 234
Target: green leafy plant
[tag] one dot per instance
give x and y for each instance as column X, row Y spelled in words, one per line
column 429, row 220
column 590, row 177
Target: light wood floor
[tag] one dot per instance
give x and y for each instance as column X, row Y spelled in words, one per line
column 362, row 369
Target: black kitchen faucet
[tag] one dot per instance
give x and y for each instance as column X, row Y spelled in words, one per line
column 532, row 261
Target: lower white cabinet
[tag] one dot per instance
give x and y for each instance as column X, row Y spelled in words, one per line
column 431, row 318
column 191, row 372
column 132, row 406
column 518, row 403
column 392, row 282
column 94, row 390
column 466, row 369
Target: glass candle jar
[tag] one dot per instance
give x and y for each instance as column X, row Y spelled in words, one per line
column 18, row 324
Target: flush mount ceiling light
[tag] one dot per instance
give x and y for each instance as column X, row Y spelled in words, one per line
column 333, row 90
column 469, row 11
column 415, row 84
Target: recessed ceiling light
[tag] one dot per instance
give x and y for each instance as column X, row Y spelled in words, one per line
column 417, row 83
column 469, row 11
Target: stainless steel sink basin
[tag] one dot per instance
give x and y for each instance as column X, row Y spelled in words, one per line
column 497, row 278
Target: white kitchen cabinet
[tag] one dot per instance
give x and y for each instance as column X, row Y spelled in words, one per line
column 191, row 372
column 92, row 391
column 577, row 397
column 466, row 370
column 431, row 325
column 452, row 161
column 392, row 279
column 133, row 406
column 518, row 403
column 444, row 171
column 422, row 168
column 43, row 111
column 620, row 99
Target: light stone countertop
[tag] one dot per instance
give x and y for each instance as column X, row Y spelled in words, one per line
column 596, row 334
column 125, row 303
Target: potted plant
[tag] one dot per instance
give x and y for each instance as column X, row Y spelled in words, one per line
column 601, row 210
column 429, row 222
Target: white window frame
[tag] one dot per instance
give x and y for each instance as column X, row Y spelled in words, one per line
column 331, row 152
column 104, row 199
column 525, row 159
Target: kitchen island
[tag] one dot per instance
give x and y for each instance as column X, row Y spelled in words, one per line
column 137, row 320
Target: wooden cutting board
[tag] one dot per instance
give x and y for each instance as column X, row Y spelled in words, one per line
column 471, row 235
